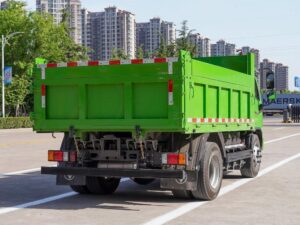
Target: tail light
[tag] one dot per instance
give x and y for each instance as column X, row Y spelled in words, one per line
column 173, row 159
column 60, row 156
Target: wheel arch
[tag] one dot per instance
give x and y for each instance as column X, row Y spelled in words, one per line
column 218, row 138
column 259, row 133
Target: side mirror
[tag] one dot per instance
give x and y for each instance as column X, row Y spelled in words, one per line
column 270, row 80
column 271, row 95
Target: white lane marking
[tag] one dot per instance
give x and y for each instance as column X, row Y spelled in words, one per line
column 21, row 172
column 42, row 201
column 169, row 216
column 34, row 203
column 282, row 138
column 193, row 205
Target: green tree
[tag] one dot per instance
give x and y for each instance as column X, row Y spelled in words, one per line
column 118, row 54
column 172, row 50
column 140, row 52
column 183, row 42
column 162, row 51
column 40, row 38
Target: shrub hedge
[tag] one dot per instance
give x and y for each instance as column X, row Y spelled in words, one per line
column 15, row 122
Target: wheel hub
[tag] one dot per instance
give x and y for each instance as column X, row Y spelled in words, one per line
column 214, row 172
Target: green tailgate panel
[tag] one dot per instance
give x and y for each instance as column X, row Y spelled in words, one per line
column 150, row 100
column 105, row 101
column 62, row 102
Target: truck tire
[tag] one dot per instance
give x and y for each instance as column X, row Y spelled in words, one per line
column 143, row 181
column 101, row 185
column 210, row 173
column 252, row 165
column 81, row 189
column 182, row 194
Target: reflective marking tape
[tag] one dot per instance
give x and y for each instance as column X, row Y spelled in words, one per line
column 43, row 68
column 51, row 65
column 220, row 120
column 171, row 101
column 104, row 63
column 137, row 61
column 43, row 101
column 114, row 62
column 170, row 61
column 93, row 63
column 170, row 68
column 62, row 65
column 43, row 94
column 147, row 61
column 160, row 60
column 82, row 63
column 125, row 62
column 72, row 64
column 170, row 92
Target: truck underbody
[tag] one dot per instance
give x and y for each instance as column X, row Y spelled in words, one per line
column 174, row 158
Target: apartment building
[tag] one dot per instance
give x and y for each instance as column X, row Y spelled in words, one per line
column 150, row 34
column 281, row 77
column 280, row 71
column 108, row 30
column 202, row 45
column 3, row 5
column 57, row 8
column 222, row 48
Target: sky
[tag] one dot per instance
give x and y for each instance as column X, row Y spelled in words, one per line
column 272, row 26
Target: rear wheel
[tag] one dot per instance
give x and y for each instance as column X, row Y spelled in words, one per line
column 210, row 174
column 143, row 181
column 252, row 165
column 101, row 185
column 182, row 194
column 81, row 189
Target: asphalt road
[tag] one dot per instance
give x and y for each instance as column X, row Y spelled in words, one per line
column 26, row 197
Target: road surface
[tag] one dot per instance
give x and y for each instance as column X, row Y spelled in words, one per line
column 26, row 197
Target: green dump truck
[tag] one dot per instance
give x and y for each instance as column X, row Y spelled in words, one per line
column 185, row 121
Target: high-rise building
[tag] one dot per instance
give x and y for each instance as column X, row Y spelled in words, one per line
column 230, row 49
column 221, row 48
column 86, row 35
column 281, row 75
column 59, row 8
column 3, row 5
column 110, row 30
column 150, row 34
column 202, row 45
column 266, row 67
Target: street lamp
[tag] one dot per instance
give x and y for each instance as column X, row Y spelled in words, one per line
column 4, row 42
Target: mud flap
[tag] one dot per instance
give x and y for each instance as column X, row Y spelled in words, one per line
column 189, row 182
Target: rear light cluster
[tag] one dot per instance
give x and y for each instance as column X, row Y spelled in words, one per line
column 60, row 156
column 173, row 159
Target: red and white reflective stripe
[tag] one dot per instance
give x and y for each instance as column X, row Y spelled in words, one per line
column 43, row 93
column 170, row 92
column 112, row 62
column 220, row 120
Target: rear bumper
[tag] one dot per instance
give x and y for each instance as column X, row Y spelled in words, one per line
column 95, row 172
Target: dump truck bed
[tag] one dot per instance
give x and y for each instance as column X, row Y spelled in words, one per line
column 157, row 95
